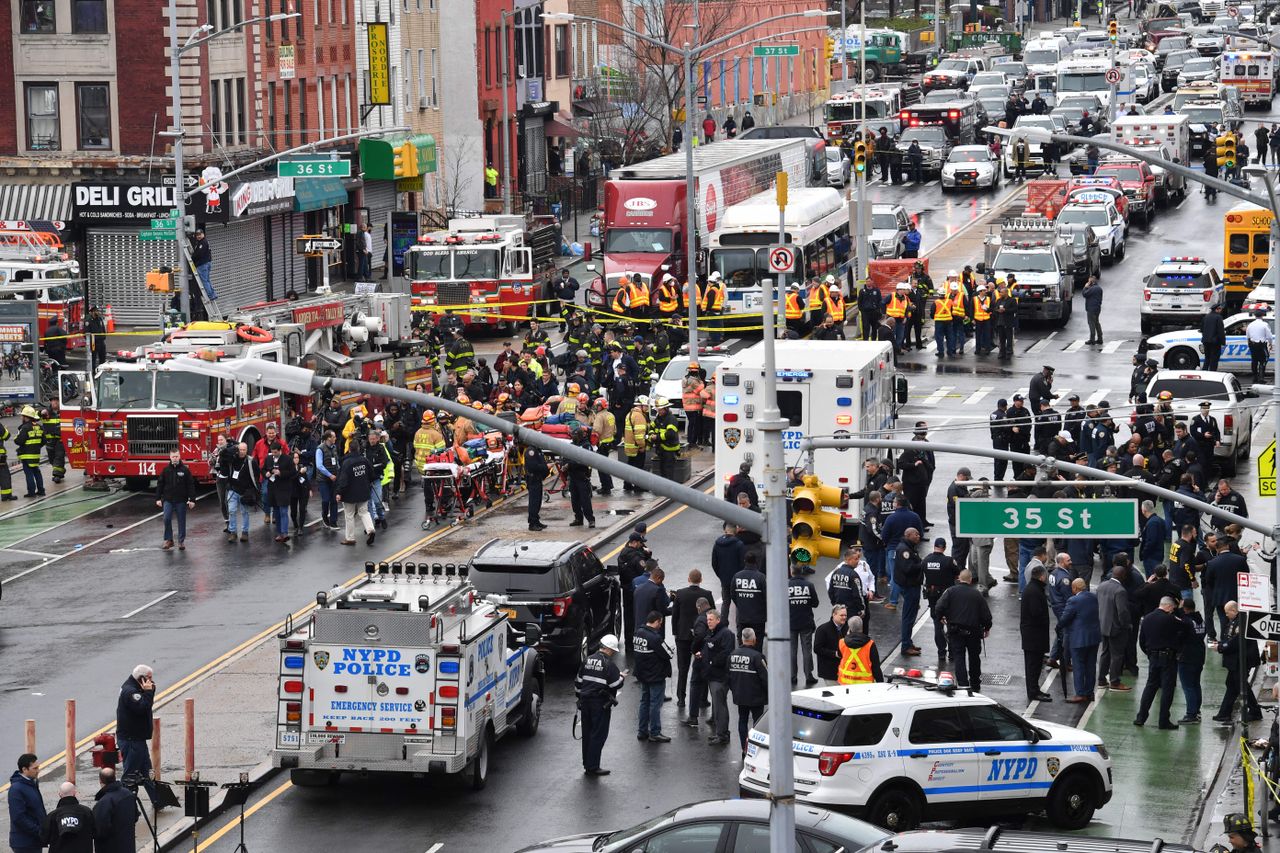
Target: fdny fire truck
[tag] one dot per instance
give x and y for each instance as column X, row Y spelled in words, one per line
column 35, row 266
column 487, row 269
column 125, row 422
column 408, row 671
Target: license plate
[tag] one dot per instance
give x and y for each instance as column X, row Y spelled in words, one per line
column 966, row 181
column 752, row 749
column 1175, row 307
column 325, row 737
column 511, row 613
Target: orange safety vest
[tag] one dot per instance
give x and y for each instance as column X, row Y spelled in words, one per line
column 712, row 297
column 941, row 310
column 665, row 297
column 855, row 665
column 835, row 304
column 982, row 308
column 639, row 295
column 708, row 395
column 794, row 311
column 898, row 306
column 691, row 395
column 957, row 304
column 622, row 298
column 684, row 295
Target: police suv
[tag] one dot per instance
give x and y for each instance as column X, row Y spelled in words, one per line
column 1179, row 292
column 900, row 753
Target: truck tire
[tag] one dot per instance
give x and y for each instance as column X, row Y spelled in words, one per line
column 896, row 808
column 1072, row 801
column 478, row 769
column 1145, row 325
column 873, row 72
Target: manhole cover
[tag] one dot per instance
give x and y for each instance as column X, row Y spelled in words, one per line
column 999, row 679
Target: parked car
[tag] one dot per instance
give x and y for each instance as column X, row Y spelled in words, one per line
column 838, row 166
column 998, row 839
column 1228, row 401
column 971, row 167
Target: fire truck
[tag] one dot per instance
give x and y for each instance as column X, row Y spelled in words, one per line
column 135, row 411
column 884, row 104
column 492, row 262
column 34, row 265
column 408, row 671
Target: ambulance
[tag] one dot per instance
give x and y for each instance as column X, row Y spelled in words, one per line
column 409, row 670
column 825, row 388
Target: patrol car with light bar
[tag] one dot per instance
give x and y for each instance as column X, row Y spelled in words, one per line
column 408, row 671
column 908, row 751
column 1180, row 291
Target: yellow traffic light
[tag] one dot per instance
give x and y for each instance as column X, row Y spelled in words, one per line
column 405, row 161
column 860, row 157
column 829, row 49
column 815, row 532
column 1226, row 150
column 1113, row 30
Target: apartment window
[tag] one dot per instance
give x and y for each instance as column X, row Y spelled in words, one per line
column 435, row 77
column 431, row 4
column 271, row 117
column 242, row 132
column 333, row 102
column 284, row 25
column 236, row 12
column 288, row 114
column 562, row 50
column 42, row 117
column 93, row 115
column 407, row 68
column 344, row 11
column 89, row 16
column 315, row 13
column 228, row 112
column 215, row 112
column 37, row 16
column 422, row 74
column 488, row 57
column 302, row 110
column 320, row 123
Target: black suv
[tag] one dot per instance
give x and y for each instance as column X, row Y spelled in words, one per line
column 560, row 586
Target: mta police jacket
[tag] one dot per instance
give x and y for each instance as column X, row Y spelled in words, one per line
column 26, row 812
column 652, row 663
column 69, row 828
column 748, row 678
column 598, row 680
column 749, row 597
column 802, row 598
column 133, row 711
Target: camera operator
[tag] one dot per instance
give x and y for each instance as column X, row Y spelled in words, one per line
column 133, row 726
column 114, row 813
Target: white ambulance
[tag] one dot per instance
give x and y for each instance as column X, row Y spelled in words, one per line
column 825, row 388
column 409, row 671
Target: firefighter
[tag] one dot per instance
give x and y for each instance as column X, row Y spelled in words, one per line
column 708, row 395
column 6, row 479
column 30, row 440
column 534, row 339
column 712, row 303
column 636, row 438
column 460, row 355
column 667, row 437
column 691, row 401
column 666, row 298
column 428, row 442
column 51, row 420
column 794, row 310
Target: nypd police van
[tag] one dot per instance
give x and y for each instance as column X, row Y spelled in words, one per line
column 408, row 671
column 897, row 754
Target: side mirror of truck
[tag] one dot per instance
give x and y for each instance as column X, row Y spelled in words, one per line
column 532, row 635
column 900, row 390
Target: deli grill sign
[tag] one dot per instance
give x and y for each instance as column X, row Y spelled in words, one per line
column 97, row 202
column 262, row 198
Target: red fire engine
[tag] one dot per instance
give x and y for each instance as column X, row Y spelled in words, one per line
column 34, row 265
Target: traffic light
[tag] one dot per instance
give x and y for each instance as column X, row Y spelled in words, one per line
column 810, row 521
column 860, row 157
column 1113, row 30
column 405, row 161
column 829, row 49
column 1226, row 148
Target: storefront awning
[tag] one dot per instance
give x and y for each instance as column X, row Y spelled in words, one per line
column 556, row 129
column 318, row 193
column 36, row 201
column 377, row 156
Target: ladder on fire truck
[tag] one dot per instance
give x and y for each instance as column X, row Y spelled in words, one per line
column 29, row 245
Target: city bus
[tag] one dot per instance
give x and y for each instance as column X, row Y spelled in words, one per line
column 1247, row 234
column 815, row 218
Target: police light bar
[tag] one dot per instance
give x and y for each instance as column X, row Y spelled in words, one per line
column 1182, row 260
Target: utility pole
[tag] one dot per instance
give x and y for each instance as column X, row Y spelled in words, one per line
column 179, row 177
column 690, row 205
column 844, row 46
column 863, row 231
column 506, row 120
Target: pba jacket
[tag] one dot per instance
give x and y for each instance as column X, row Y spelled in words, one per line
column 749, row 597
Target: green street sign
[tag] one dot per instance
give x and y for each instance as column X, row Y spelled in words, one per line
column 314, row 168
column 164, row 224
column 776, row 50
column 1061, row 519
column 157, row 234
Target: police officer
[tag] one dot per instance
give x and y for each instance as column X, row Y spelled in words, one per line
column 134, row 726
column 1161, row 636
column 69, row 828
column 580, row 483
column 6, row 479
column 1019, row 423
column 908, row 573
column 597, row 687
column 748, row 597
column 802, row 600
column 1191, row 660
column 845, row 586
column 667, row 438
column 30, row 440
column 652, row 669
column 968, row 621
column 536, row 470
column 939, row 576
column 631, row 560
column 1206, row 434
column 748, row 683
column 1000, row 434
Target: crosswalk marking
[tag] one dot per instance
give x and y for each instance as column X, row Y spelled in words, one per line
column 1075, row 346
column 936, row 397
column 1113, row 346
column 976, row 397
column 1042, row 344
column 1097, row 396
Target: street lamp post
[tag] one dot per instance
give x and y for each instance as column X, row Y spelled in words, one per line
column 197, row 39
column 506, row 120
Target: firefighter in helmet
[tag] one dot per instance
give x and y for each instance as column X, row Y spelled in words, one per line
column 30, row 440
column 51, row 421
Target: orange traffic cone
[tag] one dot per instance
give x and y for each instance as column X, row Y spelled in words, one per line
column 111, row 320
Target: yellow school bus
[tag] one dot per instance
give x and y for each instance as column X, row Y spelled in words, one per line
column 1247, row 229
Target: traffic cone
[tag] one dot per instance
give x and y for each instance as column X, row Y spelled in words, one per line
column 111, row 320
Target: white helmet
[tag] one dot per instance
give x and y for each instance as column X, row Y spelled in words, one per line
column 642, row 400
column 830, row 279
column 609, row 641
column 669, row 277
column 715, row 276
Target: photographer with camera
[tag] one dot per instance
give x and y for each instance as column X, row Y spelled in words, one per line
column 115, row 811
column 133, row 726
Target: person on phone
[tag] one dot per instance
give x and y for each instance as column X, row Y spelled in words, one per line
column 301, row 490
column 134, row 727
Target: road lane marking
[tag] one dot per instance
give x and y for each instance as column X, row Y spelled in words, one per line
column 1075, row 346
column 249, row 812
column 1112, row 346
column 936, row 397
column 976, row 397
column 435, row 848
column 1042, row 344
column 1097, row 396
column 149, row 604
column 40, row 554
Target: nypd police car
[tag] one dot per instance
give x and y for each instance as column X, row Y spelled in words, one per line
column 1098, row 211
column 897, row 754
column 1180, row 291
column 1182, row 350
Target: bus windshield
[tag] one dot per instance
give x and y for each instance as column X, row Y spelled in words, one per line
column 124, row 389
column 1041, row 56
column 740, row 267
column 1082, row 81
column 185, row 391
column 475, row 263
column 1203, row 115
column 645, row 240
column 430, row 266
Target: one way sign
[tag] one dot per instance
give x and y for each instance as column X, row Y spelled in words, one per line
column 315, row 244
column 1263, row 626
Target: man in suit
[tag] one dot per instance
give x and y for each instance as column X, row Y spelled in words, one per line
column 1083, row 634
column 1034, row 627
column 1115, row 620
column 684, row 615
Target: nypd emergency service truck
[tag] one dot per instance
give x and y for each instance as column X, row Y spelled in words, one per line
column 408, row 671
column 825, row 388
column 899, row 753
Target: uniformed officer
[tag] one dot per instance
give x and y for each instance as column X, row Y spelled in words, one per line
column 1000, row 435
column 51, row 421
column 1240, row 833
column 748, row 683
column 968, row 621
column 652, row 669
column 939, row 576
column 1018, row 421
column 536, row 470
column 597, row 687
column 1161, row 636
column 6, row 479
column 845, row 585
column 30, row 440
column 802, row 600
column 748, row 597
column 1206, row 434
column 461, row 355
column 667, row 437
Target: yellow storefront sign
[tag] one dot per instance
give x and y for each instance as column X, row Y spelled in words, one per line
column 379, row 65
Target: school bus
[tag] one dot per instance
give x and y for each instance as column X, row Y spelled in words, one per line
column 1247, row 229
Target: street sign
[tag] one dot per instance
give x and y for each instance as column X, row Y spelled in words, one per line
column 1253, row 592
column 1263, row 626
column 1267, row 471
column 164, row 224
column 314, row 168
column 1232, row 11
column 776, row 50
column 1114, row 75
column 157, row 234
column 1061, row 519
column 782, row 259
column 316, row 244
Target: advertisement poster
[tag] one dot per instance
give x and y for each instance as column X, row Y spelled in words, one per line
column 18, row 357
